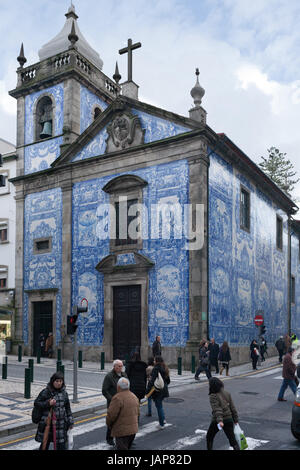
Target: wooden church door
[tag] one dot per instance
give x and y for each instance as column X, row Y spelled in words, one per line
column 126, row 320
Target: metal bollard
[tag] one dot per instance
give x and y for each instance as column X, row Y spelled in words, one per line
column 4, row 370
column 30, row 366
column 80, row 359
column 180, row 366
column 62, row 369
column 58, row 366
column 59, row 354
column 19, row 353
column 193, row 364
column 102, row 360
column 27, row 383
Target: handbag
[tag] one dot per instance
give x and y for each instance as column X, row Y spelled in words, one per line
column 159, row 382
column 240, row 437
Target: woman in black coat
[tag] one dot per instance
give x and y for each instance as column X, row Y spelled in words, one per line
column 54, row 397
column 136, row 373
column 224, row 357
column 159, row 395
column 254, row 353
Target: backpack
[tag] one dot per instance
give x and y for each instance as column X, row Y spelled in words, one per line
column 36, row 414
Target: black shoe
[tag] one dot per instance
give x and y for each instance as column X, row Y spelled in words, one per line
column 110, row 442
column 148, row 414
column 197, row 378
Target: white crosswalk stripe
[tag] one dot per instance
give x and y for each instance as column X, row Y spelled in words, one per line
column 182, row 443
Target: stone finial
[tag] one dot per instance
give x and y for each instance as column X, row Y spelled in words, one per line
column 71, row 12
column 197, row 92
column 73, row 38
column 21, row 58
column 117, row 77
column 198, row 113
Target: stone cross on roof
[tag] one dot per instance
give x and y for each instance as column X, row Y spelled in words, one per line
column 129, row 50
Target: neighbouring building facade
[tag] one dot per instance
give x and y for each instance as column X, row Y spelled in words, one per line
column 164, row 226
column 7, row 238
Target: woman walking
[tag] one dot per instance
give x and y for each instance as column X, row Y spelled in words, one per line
column 159, row 395
column 136, row 373
column 56, row 419
column 254, row 353
column 224, row 358
column 224, row 414
column 203, row 361
column 148, row 373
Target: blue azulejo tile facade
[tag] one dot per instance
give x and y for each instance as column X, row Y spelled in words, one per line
column 168, row 300
column 247, row 272
column 88, row 102
column 39, row 156
column 43, row 219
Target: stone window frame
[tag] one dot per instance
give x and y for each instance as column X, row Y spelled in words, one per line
column 245, row 190
column 35, row 137
column 130, row 186
column 279, row 240
column 36, row 251
column 3, row 275
column 4, row 225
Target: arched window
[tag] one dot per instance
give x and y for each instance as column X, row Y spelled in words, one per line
column 44, row 118
column 97, row 112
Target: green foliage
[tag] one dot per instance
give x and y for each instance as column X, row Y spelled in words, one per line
column 280, row 170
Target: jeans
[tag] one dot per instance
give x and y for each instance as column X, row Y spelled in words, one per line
column 160, row 410
column 203, row 369
column 285, row 384
column 229, row 431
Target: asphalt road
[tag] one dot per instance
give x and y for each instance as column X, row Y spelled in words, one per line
column 265, row 421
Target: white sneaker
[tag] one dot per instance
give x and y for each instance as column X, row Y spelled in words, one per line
column 159, row 426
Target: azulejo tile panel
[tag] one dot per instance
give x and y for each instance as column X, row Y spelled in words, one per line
column 246, row 271
column 39, row 156
column 168, row 281
column 43, row 219
column 88, row 101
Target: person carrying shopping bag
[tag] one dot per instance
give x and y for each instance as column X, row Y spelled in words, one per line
column 224, row 414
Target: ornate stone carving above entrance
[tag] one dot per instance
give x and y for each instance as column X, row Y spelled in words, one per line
column 129, row 262
column 124, row 131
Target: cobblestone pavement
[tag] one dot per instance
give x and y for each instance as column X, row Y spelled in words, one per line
column 15, row 410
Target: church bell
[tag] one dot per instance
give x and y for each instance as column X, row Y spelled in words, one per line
column 47, row 130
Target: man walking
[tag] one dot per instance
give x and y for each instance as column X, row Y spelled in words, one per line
column 156, row 347
column 288, row 374
column 280, row 347
column 213, row 349
column 122, row 415
column 109, row 389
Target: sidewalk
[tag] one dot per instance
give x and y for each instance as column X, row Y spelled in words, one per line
column 15, row 410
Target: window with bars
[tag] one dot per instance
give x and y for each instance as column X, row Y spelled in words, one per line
column 3, row 232
column 245, row 209
column 3, row 277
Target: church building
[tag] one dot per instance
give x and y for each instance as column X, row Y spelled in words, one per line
column 164, row 226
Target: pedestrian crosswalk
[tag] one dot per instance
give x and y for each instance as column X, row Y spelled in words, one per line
column 192, row 441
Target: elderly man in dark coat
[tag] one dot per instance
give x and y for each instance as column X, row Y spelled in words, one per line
column 213, row 349
column 122, row 415
column 109, row 389
column 288, row 374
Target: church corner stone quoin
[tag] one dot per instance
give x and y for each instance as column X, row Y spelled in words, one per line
column 111, row 195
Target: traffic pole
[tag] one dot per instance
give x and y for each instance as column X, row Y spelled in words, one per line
column 80, row 359
column 59, row 354
column 75, row 370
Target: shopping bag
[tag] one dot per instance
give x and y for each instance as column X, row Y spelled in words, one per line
column 70, row 439
column 159, row 382
column 240, row 437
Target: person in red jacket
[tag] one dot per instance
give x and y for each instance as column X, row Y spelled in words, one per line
column 288, row 374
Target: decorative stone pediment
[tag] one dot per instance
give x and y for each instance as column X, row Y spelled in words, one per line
column 124, row 183
column 124, row 131
column 124, row 262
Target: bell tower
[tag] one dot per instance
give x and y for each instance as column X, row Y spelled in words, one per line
column 58, row 97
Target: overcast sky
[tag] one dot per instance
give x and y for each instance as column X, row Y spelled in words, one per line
column 247, row 53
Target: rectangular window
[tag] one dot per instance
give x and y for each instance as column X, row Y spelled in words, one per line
column 2, row 181
column 122, row 235
column 245, row 209
column 293, row 290
column 42, row 245
column 279, row 230
column 3, row 232
column 3, row 277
